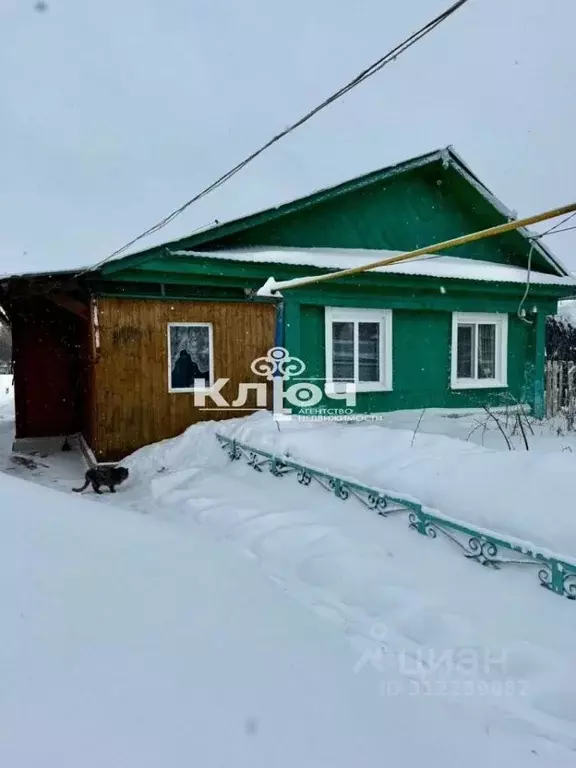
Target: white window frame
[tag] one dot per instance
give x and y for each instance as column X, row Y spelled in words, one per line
column 360, row 315
column 177, row 391
column 500, row 321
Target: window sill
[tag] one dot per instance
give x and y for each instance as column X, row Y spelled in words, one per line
column 193, row 391
column 478, row 384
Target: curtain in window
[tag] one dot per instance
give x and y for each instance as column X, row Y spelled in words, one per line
column 465, row 352
column 343, row 351
column 369, row 351
column 486, row 351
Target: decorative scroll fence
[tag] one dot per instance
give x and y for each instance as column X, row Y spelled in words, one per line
column 485, row 547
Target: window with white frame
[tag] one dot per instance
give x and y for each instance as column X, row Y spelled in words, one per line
column 190, row 357
column 479, row 350
column 358, row 349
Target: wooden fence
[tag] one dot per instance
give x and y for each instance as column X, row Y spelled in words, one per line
column 560, row 386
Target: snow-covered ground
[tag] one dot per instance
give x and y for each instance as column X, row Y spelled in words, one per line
column 6, row 412
column 126, row 643
column 478, row 428
column 443, row 473
column 6, row 396
column 402, row 601
column 567, row 312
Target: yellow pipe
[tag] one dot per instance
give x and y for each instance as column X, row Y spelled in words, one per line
column 490, row 232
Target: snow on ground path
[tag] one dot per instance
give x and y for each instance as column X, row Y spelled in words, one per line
column 371, row 576
column 524, row 495
column 477, row 428
column 57, row 469
column 6, row 398
column 126, row 643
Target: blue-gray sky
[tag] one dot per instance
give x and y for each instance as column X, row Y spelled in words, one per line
column 113, row 112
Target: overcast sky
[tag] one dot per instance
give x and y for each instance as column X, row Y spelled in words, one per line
column 114, row 112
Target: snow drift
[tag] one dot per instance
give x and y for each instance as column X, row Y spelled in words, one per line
column 127, row 643
column 525, row 495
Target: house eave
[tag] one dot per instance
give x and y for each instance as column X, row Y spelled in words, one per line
column 226, row 228
column 463, row 169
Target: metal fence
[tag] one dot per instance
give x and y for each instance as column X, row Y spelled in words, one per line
column 485, row 547
column 560, row 387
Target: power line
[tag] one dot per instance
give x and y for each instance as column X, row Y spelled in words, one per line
column 557, row 231
column 559, row 224
column 554, row 229
column 392, row 55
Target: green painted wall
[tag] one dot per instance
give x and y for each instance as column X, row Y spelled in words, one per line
column 421, row 362
column 414, row 209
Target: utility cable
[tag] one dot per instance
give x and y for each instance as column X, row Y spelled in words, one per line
column 392, row 55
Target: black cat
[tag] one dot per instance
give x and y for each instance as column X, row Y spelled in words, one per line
column 108, row 476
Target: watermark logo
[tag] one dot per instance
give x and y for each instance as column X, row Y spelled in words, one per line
column 375, row 655
column 447, row 671
column 278, row 367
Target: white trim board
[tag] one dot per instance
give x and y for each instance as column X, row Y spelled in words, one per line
column 177, row 391
column 500, row 321
column 344, row 314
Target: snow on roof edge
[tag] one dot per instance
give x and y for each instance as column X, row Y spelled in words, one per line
column 446, row 153
column 47, row 273
column 566, row 314
column 437, row 265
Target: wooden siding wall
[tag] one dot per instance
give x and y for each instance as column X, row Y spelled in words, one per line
column 133, row 404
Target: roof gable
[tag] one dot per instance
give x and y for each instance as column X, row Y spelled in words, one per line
column 415, row 203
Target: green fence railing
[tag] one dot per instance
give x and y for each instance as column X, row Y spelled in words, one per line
column 485, row 547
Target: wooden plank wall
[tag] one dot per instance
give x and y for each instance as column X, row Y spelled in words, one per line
column 132, row 402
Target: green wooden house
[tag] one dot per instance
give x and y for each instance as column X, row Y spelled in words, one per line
column 455, row 330
column 449, row 333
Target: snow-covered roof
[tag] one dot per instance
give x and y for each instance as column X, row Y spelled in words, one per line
column 212, row 232
column 567, row 313
column 449, row 267
column 449, row 158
